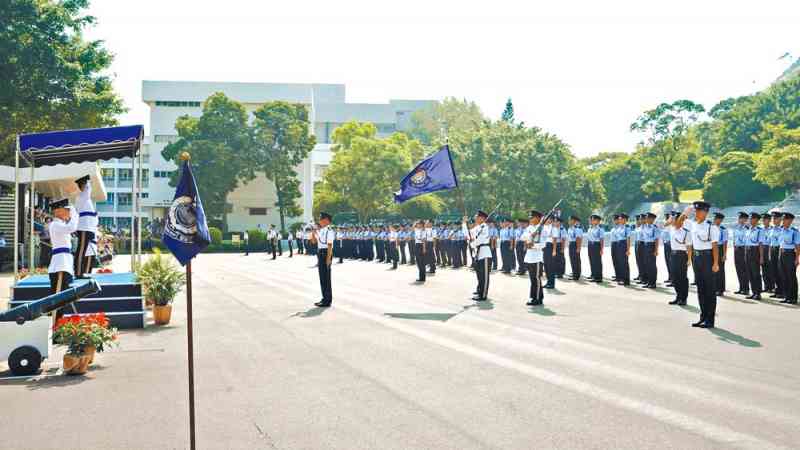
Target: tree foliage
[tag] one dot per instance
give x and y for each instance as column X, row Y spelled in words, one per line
column 666, row 129
column 221, row 147
column 449, row 116
column 508, row 112
column 51, row 78
column 779, row 164
column 732, row 182
column 282, row 142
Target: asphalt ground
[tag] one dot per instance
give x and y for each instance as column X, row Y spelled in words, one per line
column 395, row 365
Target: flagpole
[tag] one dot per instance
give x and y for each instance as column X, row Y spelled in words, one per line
column 190, row 339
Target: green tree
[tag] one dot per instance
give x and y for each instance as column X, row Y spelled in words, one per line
column 365, row 170
column 283, row 141
column 449, row 116
column 422, row 207
column 51, row 78
column 732, row 182
column 779, row 164
column 508, row 112
column 623, row 178
column 666, row 129
column 221, row 146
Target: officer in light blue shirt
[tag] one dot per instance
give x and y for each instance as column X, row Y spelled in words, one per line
column 648, row 236
column 722, row 248
column 790, row 258
column 621, row 249
column 774, row 250
column 754, row 255
column 506, row 236
column 594, row 243
column 575, row 242
column 520, row 250
column 666, row 239
column 494, row 234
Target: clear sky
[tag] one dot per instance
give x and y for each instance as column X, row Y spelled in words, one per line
column 581, row 69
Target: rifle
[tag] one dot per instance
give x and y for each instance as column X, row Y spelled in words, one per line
column 469, row 237
column 547, row 216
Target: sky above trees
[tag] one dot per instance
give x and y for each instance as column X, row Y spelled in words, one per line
column 582, row 69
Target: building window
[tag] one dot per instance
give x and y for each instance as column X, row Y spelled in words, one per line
column 124, row 199
column 258, row 211
column 109, row 199
column 145, row 195
column 177, row 104
column 108, row 174
column 166, row 138
column 162, row 174
column 125, row 174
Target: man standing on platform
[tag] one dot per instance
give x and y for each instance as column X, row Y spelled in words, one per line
column 325, row 239
column 705, row 258
column 479, row 240
column 61, row 270
column 790, row 258
column 87, row 229
column 740, row 254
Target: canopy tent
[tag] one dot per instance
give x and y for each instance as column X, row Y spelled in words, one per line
column 59, row 181
column 78, row 146
column 92, row 144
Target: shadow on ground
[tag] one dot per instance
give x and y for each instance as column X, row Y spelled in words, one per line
column 733, row 338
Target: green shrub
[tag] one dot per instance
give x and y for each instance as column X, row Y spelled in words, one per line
column 258, row 239
column 216, row 235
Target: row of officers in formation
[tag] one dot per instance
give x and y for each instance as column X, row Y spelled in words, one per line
column 766, row 251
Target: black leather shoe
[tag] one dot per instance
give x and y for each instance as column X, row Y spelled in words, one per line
column 755, row 297
column 706, row 325
column 478, row 299
column 698, row 324
column 675, row 302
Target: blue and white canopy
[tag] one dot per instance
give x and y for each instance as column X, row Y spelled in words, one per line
column 74, row 146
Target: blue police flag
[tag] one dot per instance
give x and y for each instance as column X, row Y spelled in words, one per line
column 185, row 229
column 436, row 173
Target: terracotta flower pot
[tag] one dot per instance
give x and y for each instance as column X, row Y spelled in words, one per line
column 90, row 352
column 75, row 364
column 162, row 314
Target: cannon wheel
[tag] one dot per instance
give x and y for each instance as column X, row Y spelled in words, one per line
column 25, row 361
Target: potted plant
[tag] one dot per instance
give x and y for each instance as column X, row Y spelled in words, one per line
column 101, row 335
column 161, row 281
column 74, row 334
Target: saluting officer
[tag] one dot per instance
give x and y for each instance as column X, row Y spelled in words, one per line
column 719, row 277
column 740, row 231
column 479, row 240
column 324, row 239
column 790, row 258
column 755, row 256
column 575, row 237
column 705, row 259
column 595, row 238
column 534, row 258
column 61, row 268
column 680, row 240
column 87, row 229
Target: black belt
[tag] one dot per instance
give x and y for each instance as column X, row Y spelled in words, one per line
column 678, row 251
column 56, row 251
column 88, row 213
column 788, row 250
column 701, row 252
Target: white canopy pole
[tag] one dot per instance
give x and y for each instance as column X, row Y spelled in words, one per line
column 17, row 231
column 31, row 206
column 133, row 211
column 139, row 212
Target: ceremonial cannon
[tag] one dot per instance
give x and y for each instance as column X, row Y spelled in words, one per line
column 25, row 331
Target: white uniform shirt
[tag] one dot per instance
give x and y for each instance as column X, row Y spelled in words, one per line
column 87, row 214
column 702, row 235
column 298, row 235
column 534, row 254
column 479, row 235
column 273, row 234
column 429, row 234
column 546, row 233
column 61, row 237
column 679, row 238
column 325, row 236
column 393, row 236
column 419, row 235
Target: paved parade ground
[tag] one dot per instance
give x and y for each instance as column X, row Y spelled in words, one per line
column 395, row 365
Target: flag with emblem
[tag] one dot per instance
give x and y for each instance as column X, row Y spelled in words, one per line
column 436, row 173
column 185, row 229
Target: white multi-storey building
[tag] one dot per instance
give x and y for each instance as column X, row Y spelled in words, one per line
column 253, row 204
